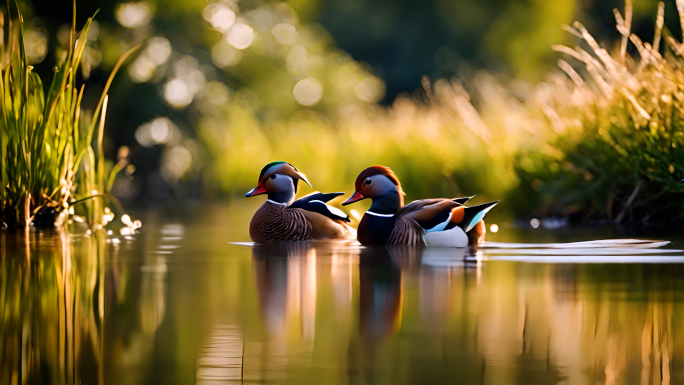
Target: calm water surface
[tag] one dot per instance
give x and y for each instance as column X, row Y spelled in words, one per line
column 179, row 304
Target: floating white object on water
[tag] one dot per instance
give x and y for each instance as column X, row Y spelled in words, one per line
column 591, row 244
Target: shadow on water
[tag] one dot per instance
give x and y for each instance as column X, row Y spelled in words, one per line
column 177, row 304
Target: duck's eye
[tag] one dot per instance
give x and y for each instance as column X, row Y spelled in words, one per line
column 273, row 176
column 368, row 182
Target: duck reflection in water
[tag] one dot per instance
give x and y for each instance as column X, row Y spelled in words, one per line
column 287, row 273
column 380, row 294
column 286, row 284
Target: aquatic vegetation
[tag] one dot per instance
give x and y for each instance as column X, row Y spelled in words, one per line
column 51, row 151
column 614, row 129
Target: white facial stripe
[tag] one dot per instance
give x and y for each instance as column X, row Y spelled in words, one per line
column 278, row 203
column 379, row 215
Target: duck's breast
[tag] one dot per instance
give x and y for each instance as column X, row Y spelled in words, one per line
column 273, row 222
column 448, row 238
column 375, row 230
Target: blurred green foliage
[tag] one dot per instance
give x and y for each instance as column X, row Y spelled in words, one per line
column 614, row 133
column 221, row 88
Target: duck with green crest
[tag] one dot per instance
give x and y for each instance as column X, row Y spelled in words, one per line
column 282, row 218
column 432, row 222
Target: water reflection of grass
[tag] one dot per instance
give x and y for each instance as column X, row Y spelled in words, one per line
column 181, row 305
column 51, row 327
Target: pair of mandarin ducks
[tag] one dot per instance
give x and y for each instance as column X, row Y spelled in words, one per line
column 431, row 222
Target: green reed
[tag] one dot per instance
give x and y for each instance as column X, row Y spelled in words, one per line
column 46, row 138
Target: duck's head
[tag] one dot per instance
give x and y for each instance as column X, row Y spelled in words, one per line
column 276, row 178
column 375, row 182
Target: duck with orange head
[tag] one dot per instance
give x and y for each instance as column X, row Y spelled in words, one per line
column 432, row 222
column 282, row 218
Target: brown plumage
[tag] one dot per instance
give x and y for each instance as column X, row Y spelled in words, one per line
column 322, row 227
column 274, row 222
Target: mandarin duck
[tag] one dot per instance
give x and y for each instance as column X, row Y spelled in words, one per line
column 431, row 222
column 282, row 218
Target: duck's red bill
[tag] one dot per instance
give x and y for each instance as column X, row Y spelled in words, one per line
column 354, row 198
column 256, row 191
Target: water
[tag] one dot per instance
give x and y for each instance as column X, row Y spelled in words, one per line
column 179, row 304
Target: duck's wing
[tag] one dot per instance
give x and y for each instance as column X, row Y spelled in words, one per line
column 430, row 214
column 447, row 214
column 316, row 203
column 419, row 204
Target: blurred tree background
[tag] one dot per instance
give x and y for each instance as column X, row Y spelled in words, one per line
column 220, row 88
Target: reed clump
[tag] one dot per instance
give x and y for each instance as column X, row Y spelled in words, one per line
column 615, row 129
column 50, row 149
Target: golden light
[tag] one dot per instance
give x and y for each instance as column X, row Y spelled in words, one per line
column 160, row 130
column 176, row 162
column 216, row 92
column 494, row 228
column 142, row 69
column 36, row 45
column 156, row 53
column 370, row 89
column 308, row 91
column 298, row 60
column 225, row 55
column 220, row 16
column 126, row 220
column 133, row 15
column 284, row 33
column 240, row 36
column 177, row 93
column 535, row 223
column 158, row 50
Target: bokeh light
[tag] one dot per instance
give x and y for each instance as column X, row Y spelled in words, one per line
column 177, row 93
column 284, row 33
column 225, row 55
column 370, row 89
column 36, row 41
column 220, row 16
column 160, row 130
column 134, row 14
column 308, row 91
column 240, row 36
column 176, row 161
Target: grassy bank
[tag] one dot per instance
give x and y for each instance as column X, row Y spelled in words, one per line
column 615, row 130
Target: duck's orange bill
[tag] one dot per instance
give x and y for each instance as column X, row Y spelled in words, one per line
column 256, row 191
column 356, row 197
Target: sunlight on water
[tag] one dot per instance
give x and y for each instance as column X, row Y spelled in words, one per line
column 178, row 303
